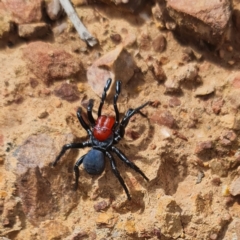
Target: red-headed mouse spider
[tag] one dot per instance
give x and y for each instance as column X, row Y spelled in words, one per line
column 103, row 134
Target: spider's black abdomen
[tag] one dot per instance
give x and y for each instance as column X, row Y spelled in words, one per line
column 94, row 162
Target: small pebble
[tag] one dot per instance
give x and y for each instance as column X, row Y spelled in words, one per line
column 159, row 43
column 216, row 180
column 116, row 37
column 200, row 177
column 152, row 147
column 202, row 146
column 155, row 103
column 57, row 103
column 225, row 191
column 100, row 206
column 43, row 114
column 213, row 236
column 174, row 102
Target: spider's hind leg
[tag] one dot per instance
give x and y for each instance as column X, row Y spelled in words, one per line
column 76, row 170
column 117, row 174
column 132, row 165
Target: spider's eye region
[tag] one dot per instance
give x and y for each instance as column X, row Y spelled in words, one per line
column 103, row 127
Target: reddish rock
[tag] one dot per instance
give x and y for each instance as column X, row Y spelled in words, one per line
column 235, row 187
column 33, row 30
column 50, row 63
column 209, row 19
column 117, row 64
column 24, row 11
column 225, row 142
column 38, row 183
column 217, row 105
column 100, row 206
column 158, row 71
column 174, row 102
column 33, row 82
column 202, row 146
column 116, row 37
column 155, row 103
column 159, row 43
column 144, row 41
column 236, row 81
column 67, row 92
column 228, row 137
column 180, row 135
column 216, row 181
column 163, row 118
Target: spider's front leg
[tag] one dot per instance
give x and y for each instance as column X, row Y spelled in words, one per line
column 121, row 130
column 68, row 146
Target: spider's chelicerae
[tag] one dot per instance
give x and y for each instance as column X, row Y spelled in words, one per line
column 104, row 134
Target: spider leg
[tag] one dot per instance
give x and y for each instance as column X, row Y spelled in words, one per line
column 68, row 146
column 83, row 123
column 121, row 130
column 117, row 174
column 89, row 112
column 118, row 90
column 107, row 86
column 76, row 170
column 122, row 156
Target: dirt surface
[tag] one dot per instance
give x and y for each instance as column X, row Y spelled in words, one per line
column 188, row 145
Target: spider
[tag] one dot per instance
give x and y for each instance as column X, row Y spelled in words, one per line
column 104, row 134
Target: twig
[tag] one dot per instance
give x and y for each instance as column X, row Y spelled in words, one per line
column 81, row 29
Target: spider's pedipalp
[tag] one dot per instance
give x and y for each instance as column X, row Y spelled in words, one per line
column 83, row 123
column 89, row 112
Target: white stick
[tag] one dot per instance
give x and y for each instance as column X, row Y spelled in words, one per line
column 81, row 29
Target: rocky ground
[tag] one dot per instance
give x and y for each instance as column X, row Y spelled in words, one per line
column 183, row 57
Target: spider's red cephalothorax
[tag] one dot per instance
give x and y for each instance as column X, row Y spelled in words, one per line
column 103, row 128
